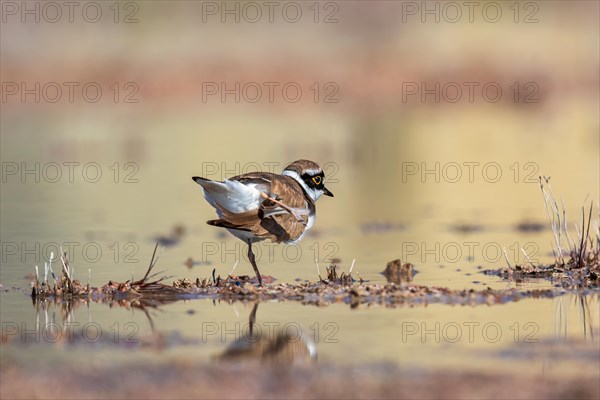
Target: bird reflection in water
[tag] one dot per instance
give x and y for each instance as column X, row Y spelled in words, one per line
column 276, row 347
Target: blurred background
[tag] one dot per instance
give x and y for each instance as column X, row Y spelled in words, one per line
column 433, row 121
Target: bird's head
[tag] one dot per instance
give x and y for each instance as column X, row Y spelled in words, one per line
column 310, row 176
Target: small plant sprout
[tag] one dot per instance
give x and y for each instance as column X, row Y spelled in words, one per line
column 65, row 264
column 233, row 269
column 45, row 282
column 357, row 274
column 580, row 249
column 318, row 271
column 50, row 267
column 351, row 266
column 527, row 257
column 506, row 258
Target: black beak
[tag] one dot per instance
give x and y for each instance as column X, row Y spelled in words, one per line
column 326, row 192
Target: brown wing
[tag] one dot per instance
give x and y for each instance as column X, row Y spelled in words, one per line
column 270, row 221
column 284, row 226
column 262, row 180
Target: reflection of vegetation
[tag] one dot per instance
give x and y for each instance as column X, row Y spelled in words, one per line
column 67, row 307
column 69, row 331
column 586, row 317
column 280, row 348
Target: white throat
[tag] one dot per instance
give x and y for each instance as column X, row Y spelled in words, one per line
column 313, row 193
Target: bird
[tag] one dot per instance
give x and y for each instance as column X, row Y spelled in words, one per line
column 260, row 206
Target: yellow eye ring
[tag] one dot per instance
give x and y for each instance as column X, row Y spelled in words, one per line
column 317, row 180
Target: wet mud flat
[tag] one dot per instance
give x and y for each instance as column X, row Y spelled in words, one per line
column 344, row 288
column 320, row 293
column 389, row 295
column 560, row 275
column 186, row 379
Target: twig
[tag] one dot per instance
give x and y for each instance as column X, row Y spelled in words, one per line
column 318, row 271
column 359, row 277
column 351, row 266
column 554, row 253
column 152, row 262
column 553, row 214
column 357, row 274
column 527, row 257
column 506, row 258
column 557, row 215
column 63, row 259
column 50, row 267
column 233, row 269
column 583, row 247
column 570, row 243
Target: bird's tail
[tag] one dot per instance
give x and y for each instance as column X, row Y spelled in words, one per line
column 231, row 196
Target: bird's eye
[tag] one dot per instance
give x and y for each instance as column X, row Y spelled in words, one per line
column 317, row 180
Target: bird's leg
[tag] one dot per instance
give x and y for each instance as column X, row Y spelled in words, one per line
column 280, row 204
column 253, row 262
